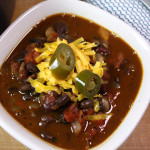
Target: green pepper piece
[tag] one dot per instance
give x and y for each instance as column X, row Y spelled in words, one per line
column 87, row 83
column 63, row 61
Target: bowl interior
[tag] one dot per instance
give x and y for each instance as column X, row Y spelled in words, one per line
column 23, row 25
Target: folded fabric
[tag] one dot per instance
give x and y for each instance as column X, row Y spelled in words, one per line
column 133, row 12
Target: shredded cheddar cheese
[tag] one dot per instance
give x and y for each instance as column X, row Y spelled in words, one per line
column 47, row 82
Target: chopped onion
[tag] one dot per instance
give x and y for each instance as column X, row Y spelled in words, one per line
column 48, row 33
column 99, row 57
column 76, row 126
column 105, row 103
column 34, row 106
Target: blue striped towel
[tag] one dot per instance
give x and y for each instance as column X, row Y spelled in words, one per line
column 133, row 12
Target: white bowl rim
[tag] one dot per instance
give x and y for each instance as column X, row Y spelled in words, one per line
column 25, row 137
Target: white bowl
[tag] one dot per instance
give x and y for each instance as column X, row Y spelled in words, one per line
column 24, row 23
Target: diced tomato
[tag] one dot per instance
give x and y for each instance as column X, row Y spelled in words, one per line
column 71, row 113
column 119, row 60
column 100, row 123
column 22, row 72
column 54, row 35
column 81, row 119
column 96, row 127
column 92, row 131
column 31, row 54
column 116, row 62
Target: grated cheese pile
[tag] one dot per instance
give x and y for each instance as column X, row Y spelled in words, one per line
column 47, row 82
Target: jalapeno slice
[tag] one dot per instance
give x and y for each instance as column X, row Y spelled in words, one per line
column 87, row 83
column 63, row 61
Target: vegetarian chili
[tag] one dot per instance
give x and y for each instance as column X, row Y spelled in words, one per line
column 70, row 81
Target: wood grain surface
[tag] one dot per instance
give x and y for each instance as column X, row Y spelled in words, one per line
column 138, row 140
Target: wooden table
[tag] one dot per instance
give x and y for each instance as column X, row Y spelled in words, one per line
column 139, row 139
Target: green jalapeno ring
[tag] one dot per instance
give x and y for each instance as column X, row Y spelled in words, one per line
column 63, row 61
column 87, row 83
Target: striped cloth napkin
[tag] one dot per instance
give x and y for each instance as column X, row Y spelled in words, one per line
column 133, row 12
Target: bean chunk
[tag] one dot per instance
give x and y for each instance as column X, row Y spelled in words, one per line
column 63, row 100
column 31, row 68
column 26, row 87
column 48, row 137
column 60, row 28
column 86, row 104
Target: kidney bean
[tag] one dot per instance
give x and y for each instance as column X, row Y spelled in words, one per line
column 60, row 28
column 31, row 68
column 85, row 104
column 63, row 100
column 26, row 87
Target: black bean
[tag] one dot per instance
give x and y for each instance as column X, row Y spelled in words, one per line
column 54, row 94
column 49, row 103
column 63, row 100
column 48, row 137
column 47, row 118
column 60, row 28
column 12, row 90
column 101, row 50
column 26, row 87
column 39, row 41
column 103, row 89
column 31, row 68
column 86, row 104
column 26, row 97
